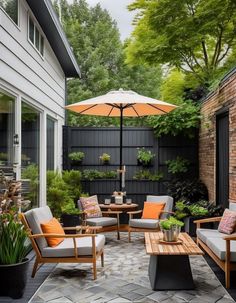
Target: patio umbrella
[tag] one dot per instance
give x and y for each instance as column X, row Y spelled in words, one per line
column 121, row 104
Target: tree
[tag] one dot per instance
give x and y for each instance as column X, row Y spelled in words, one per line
column 96, row 43
column 196, row 36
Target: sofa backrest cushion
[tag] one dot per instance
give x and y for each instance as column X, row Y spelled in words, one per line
column 35, row 217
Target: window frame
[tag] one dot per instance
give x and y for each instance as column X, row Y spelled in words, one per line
column 18, row 15
column 40, row 49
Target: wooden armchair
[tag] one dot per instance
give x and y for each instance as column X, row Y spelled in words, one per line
column 220, row 247
column 149, row 225
column 75, row 248
column 109, row 221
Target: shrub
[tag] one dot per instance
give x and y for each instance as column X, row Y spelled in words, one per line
column 178, row 165
column 187, row 190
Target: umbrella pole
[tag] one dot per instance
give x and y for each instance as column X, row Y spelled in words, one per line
column 121, row 145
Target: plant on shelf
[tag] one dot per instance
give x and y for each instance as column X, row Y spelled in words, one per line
column 76, row 157
column 178, row 165
column 105, row 158
column 93, row 174
column 144, row 156
column 145, row 174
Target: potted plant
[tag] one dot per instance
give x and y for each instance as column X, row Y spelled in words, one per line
column 13, row 248
column 144, row 157
column 13, row 262
column 71, row 216
column 105, row 158
column 76, row 157
column 171, row 228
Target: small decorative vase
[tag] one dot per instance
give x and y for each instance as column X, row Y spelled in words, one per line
column 172, row 234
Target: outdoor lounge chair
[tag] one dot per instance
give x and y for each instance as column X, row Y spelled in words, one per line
column 75, row 248
column 109, row 221
column 149, row 225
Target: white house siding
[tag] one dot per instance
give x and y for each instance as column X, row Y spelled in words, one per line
column 36, row 79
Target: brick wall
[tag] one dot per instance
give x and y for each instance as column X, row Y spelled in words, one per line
column 224, row 96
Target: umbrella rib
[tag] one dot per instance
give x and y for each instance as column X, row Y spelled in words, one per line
column 135, row 111
column 87, row 109
column 157, row 108
column 110, row 111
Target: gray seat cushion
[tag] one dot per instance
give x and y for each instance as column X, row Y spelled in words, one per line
column 66, row 248
column 218, row 246
column 203, row 234
column 144, row 223
column 102, row 221
column 35, row 217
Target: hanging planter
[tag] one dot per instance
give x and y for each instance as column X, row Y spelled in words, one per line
column 76, row 158
column 145, row 157
column 105, row 159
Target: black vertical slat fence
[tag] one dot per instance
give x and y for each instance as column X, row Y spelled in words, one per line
column 96, row 141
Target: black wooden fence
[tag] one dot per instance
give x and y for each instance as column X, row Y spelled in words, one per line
column 96, row 141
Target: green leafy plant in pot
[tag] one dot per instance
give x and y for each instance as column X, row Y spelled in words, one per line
column 171, row 228
column 105, row 158
column 76, row 157
column 145, row 157
column 13, row 247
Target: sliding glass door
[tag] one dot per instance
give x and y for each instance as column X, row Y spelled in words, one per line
column 7, row 131
column 30, row 151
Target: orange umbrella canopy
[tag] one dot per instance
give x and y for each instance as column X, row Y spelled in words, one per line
column 129, row 103
column 121, row 104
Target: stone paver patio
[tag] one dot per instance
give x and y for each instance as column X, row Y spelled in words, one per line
column 125, row 279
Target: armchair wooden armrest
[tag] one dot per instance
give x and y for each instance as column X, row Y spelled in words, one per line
column 167, row 212
column 36, row 236
column 207, row 220
column 112, row 212
column 230, row 237
column 134, row 212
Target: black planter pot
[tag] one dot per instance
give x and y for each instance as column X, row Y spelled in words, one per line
column 76, row 162
column 70, row 221
column 13, row 279
column 190, row 227
column 140, row 163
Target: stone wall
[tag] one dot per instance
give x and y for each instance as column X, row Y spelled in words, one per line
column 223, row 97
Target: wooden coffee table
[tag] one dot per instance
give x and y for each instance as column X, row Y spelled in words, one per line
column 169, row 266
column 122, row 207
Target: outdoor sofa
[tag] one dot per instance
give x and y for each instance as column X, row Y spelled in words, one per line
column 221, row 247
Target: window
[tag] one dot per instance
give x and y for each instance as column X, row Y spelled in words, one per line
column 11, row 8
column 35, row 37
column 7, row 130
column 30, row 138
column 50, row 143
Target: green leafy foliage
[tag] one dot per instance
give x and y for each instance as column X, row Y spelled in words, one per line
column 183, row 120
column 185, row 209
column 187, row 190
column 145, row 174
column 13, row 248
column 171, row 221
column 178, row 165
column 196, row 36
column 76, row 156
column 96, row 43
column 93, row 174
column 144, row 156
column 105, row 158
column 31, row 172
column 62, row 191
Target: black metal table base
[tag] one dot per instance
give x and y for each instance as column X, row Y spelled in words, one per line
column 170, row 272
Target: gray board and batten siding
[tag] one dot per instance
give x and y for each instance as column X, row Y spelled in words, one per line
column 96, row 141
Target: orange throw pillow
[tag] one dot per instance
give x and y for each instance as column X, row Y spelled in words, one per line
column 152, row 210
column 53, row 227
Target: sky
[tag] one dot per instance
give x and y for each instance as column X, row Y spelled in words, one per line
column 118, row 11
